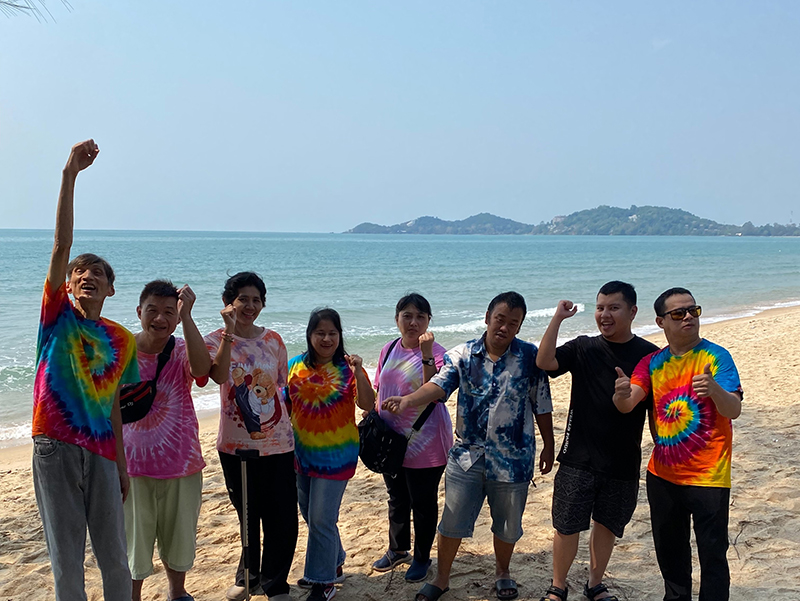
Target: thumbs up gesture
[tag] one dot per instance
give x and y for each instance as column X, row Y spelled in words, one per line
column 704, row 383
column 622, row 387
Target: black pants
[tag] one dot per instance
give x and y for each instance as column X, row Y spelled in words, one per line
column 671, row 508
column 272, row 505
column 417, row 490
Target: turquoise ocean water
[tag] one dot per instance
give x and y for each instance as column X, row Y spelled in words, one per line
column 363, row 276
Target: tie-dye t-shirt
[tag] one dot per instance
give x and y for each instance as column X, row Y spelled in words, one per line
column 401, row 374
column 323, row 418
column 692, row 440
column 253, row 411
column 165, row 442
column 79, row 365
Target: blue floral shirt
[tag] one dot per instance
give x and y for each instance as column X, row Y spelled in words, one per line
column 496, row 405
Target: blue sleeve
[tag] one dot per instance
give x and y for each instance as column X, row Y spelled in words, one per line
column 448, row 377
column 725, row 372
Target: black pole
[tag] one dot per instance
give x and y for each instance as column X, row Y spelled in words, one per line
column 244, row 455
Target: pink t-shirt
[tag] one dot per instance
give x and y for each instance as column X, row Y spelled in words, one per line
column 253, row 411
column 165, row 443
column 400, row 375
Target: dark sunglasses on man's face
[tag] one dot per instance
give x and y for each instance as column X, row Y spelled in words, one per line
column 678, row 314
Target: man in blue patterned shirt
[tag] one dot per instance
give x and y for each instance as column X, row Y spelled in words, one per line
column 500, row 393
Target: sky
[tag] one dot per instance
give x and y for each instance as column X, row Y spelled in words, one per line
column 314, row 116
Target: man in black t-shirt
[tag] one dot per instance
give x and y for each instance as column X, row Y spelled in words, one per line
column 598, row 477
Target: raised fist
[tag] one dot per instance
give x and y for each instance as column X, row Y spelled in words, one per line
column 565, row 309
column 81, row 156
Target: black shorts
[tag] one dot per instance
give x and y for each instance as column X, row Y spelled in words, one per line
column 580, row 496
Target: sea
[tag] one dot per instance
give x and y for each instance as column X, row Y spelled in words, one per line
column 363, row 276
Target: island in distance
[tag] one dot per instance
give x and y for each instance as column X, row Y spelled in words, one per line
column 601, row 221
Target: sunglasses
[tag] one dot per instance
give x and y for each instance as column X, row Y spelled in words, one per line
column 678, row 314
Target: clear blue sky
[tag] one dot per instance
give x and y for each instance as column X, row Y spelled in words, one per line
column 318, row 115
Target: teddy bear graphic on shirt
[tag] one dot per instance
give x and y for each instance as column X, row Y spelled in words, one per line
column 256, row 396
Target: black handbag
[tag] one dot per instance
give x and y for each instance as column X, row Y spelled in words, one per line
column 381, row 449
column 135, row 400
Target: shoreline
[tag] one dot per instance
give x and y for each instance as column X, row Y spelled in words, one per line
column 16, row 454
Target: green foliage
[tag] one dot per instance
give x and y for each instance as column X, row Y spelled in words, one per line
column 601, row 221
column 483, row 223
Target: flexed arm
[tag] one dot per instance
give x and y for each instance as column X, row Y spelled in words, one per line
column 546, row 356
column 426, row 348
column 199, row 359
column 81, row 156
column 365, row 394
column 221, row 365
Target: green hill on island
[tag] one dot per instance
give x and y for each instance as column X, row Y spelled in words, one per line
column 601, row 221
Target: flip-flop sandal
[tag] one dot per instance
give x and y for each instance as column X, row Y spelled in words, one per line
column 430, row 592
column 506, row 584
column 561, row 593
column 591, row 593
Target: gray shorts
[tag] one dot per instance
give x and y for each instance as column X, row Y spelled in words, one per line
column 580, row 496
column 464, row 493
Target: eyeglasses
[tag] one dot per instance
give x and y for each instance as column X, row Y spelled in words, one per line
column 678, row 314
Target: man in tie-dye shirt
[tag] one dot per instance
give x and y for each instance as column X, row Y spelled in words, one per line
column 696, row 393
column 500, row 394
column 79, row 471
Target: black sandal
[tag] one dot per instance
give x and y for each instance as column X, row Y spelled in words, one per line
column 561, row 593
column 430, row 592
column 591, row 593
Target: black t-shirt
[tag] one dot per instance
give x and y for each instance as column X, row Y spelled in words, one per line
column 597, row 436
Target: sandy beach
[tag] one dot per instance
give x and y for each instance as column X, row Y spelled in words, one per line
column 764, row 521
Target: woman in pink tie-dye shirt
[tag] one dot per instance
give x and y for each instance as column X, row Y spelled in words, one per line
column 406, row 364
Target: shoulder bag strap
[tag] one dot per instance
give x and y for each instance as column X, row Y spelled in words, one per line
column 163, row 357
column 424, row 416
column 389, row 352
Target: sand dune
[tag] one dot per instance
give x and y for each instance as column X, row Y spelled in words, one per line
column 764, row 523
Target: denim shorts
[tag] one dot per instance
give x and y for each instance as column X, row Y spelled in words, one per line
column 581, row 495
column 464, row 493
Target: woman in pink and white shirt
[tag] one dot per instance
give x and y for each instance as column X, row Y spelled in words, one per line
column 248, row 361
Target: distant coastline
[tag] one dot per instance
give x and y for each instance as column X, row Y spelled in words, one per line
column 600, row 221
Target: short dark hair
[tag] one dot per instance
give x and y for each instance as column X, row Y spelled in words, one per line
column 627, row 291
column 514, row 300
column 89, row 259
column 660, row 305
column 317, row 315
column 419, row 302
column 241, row 280
column 160, row 288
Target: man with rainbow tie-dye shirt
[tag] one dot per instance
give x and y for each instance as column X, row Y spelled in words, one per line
column 696, row 393
column 79, row 472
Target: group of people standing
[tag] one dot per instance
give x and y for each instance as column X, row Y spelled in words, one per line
column 141, row 482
